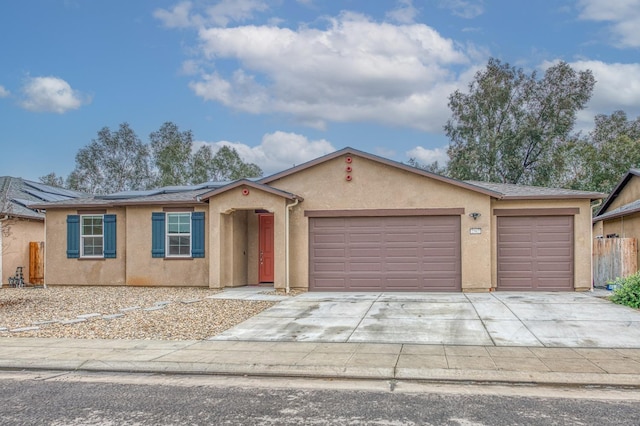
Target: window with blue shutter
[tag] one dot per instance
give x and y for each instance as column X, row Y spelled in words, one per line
column 73, row 236
column 177, row 234
column 110, row 236
column 157, row 234
column 197, row 234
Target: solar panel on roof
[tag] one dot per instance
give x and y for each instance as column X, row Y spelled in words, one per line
column 52, row 189
column 45, row 196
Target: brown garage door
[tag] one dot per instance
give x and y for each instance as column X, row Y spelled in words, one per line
column 414, row 253
column 535, row 253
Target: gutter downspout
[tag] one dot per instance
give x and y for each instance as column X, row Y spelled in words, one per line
column 286, row 242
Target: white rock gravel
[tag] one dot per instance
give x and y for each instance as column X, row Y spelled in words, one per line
column 21, row 308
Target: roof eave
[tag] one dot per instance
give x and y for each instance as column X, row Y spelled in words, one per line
column 69, row 206
column 24, row 216
column 615, row 215
column 591, row 197
column 194, row 202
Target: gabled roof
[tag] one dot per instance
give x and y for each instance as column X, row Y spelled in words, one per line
column 251, row 184
column 616, row 191
column 627, row 209
column 495, row 190
column 386, row 161
column 22, row 198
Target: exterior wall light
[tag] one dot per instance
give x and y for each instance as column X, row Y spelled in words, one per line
column 474, row 215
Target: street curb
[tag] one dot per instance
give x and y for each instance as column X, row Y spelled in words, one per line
column 334, row 372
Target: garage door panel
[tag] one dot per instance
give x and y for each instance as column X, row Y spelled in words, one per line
column 550, row 238
column 525, row 252
column 392, row 252
column 535, row 253
column 365, row 267
column 328, row 238
column 414, row 253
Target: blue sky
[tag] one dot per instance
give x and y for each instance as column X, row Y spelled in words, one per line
column 285, row 81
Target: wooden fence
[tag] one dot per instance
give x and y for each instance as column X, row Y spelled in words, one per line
column 613, row 258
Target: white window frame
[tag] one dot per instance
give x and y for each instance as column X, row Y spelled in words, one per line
column 168, row 234
column 83, row 236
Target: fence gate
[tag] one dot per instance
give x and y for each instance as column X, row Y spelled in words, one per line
column 36, row 262
column 613, row 258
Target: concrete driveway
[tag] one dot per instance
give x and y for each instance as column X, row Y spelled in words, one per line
column 487, row 319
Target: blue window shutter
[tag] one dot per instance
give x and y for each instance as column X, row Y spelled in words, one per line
column 157, row 234
column 110, row 236
column 73, row 236
column 197, row 234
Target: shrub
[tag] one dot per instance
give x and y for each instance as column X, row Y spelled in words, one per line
column 628, row 291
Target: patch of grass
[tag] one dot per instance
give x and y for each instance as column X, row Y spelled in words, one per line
column 627, row 291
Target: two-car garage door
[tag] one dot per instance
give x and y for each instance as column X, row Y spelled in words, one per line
column 422, row 253
column 392, row 253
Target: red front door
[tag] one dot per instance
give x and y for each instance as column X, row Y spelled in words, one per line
column 266, row 255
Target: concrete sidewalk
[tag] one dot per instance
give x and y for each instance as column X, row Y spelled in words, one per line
column 537, row 365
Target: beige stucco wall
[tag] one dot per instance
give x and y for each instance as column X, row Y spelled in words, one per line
column 59, row 270
column 630, row 192
column 144, row 270
column 14, row 250
column 233, row 237
column 582, row 235
column 379, row 186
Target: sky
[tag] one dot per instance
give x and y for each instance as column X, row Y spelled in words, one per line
column 285, row 81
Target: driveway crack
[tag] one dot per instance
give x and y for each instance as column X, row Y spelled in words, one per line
column 363, row 317
column 493, row 342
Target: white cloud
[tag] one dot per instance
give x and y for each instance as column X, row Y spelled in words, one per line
column 398, row 74
column 467, row 9
column 178, row 17
column 617, row 88
column 4, row 92
column 184, row 15
column 405, row 13
column 51, row 94
column 624, row 17
column 427, row 156
column 278, row 151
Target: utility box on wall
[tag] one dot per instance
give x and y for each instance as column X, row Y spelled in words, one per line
column 614, row 258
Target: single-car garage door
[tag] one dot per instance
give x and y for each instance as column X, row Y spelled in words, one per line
column 399, row 253
column 535, row 253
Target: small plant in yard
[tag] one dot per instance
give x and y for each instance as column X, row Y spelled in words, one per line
column 627, row 291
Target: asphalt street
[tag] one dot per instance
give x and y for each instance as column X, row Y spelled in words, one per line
column 73, row 399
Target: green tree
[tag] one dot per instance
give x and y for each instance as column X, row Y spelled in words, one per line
column 202, row 164
column 509, row 124
column 434, row 167
column 115, row 161
column 52, row 179
column 227, row 166
column 171, row 153
column 597, row 161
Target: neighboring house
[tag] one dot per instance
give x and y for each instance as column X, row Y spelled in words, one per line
column 619, row 214
column 346, row 221
column 21, row 223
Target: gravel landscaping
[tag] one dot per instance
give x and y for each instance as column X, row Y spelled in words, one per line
column 120, row 313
